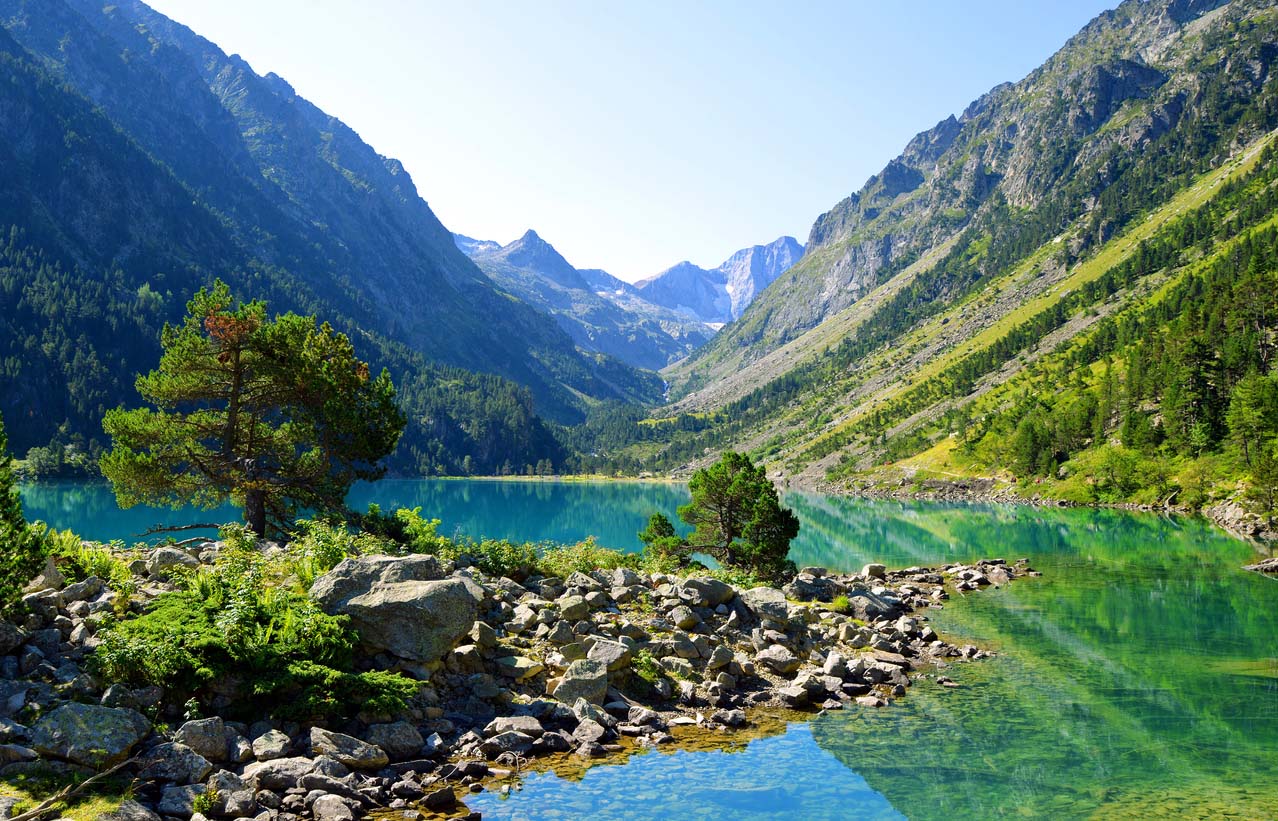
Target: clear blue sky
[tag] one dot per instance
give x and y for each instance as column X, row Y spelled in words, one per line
column 635, row 135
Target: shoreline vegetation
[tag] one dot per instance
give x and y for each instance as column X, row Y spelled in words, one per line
column 435, row 677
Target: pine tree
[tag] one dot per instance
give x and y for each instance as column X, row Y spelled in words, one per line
column 275, row 414
column 738, row 518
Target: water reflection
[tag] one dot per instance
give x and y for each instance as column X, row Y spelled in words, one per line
column 1138, row 676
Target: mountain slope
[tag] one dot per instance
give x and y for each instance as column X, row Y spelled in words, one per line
column 720, row 295
column 1091, row 314
column 1078, row 138
column 140, row 159
column 600, row 313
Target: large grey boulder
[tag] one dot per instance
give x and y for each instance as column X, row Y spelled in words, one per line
column 207, row 736
column 174, row 762
column 779, row 658
column 396, row 607
column 278, row 774
column 399, row 739
column 766, row 603
column 89, row 734
column 584, row 678
column 163, row 560
column 356, row 754
column 710, row 592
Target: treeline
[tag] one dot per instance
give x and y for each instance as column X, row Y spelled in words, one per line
column 1162, row 402
column 71, row 345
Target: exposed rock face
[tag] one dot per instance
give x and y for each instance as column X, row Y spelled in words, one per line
column 721, row 294
column 600, row 312
column 399, row 605
column 88, row 734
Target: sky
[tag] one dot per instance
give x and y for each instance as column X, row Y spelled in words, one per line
column 634, row 135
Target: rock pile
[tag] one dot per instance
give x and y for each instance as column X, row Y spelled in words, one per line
column 507, row 670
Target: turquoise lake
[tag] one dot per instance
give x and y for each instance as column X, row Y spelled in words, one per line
column 1137, row 678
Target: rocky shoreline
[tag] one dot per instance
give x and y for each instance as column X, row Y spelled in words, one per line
column 589, row 666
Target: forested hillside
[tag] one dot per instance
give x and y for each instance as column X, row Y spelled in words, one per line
column 140, row 162
column 1078, row 293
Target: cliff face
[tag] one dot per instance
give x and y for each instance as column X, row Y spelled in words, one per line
column 1047, row 147
column 720, row 295
column 599, row 312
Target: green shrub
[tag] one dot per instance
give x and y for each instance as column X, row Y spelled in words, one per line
column 840, row 604
column 236, row 621
column 584, row 556
column 78, row 560
column 418, row 534
column 319, row 544
column 23, row 548
column 496, row 557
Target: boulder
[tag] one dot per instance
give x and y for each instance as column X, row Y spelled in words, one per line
column 174, row 762
column 270, row 745
column 527, row 725
column 874, row 571
column 235, row 799
column 278, row 774
column 710, row 592
column 507, row 742
column 399, row 605
column 331, row 808
column 399, row 739
column 89, row 734
column 11, row 637
column 519, row 667
column 50, row 578
column 613, row 654
column 163, row 560
column 356, row 754
column 207, row 736
column 129, row 810
column 584, row 678
column 779, row 659
column 806, row 587
column 573, row 608
column 177, row 800
column 766, row 603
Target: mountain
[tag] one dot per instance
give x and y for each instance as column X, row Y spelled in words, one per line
column 598, row 311
column 140, row 161
column 720, row 295
column 1072, row 284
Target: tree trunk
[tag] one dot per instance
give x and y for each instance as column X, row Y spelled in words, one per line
column 255, row 511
